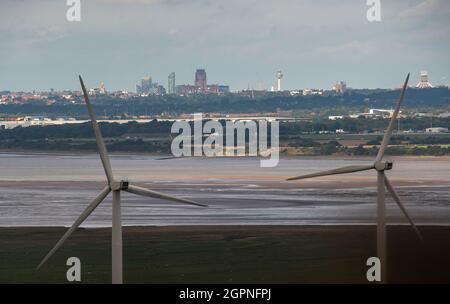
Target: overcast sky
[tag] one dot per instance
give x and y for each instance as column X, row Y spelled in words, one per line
column 239, row 42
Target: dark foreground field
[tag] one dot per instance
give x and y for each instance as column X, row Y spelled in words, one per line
column 228, row 254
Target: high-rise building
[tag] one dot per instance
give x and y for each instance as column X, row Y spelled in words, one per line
column 200, row 80
column 424, row 83
column 171, row 84
column 146, row 83
column 145, row 87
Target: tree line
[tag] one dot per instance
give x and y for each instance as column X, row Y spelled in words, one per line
column 234, row 103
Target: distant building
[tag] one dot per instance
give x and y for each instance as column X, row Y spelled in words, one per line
column 340, row 87
column 424, row 83
column 436, row 130
column 95, row 91
column 145, row 86
column 444, row 115
column 102, row 89
column 279, row 77
column 224, row 89
column 212, row 88
column 217, row 89
column 374, row 113
column 171, row 87
column 335, row 117
column 200, row 80
column 186, row 89
column 381, row 112
column 200, row 86
column 308, row 92
column 160, row 90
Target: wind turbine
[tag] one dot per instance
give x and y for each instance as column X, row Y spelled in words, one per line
column 114, row 186
column 382, row 182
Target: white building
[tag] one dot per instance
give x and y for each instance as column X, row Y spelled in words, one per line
column 436, row 130
column 335, row 117
column 308, row 92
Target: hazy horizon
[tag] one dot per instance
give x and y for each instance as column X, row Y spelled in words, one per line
column 239, row 43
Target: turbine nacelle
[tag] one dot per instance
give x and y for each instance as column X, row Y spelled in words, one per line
column 119, row 185
column 383, row 166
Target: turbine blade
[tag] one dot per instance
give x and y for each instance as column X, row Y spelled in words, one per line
column 150, row 193
column 388, row 134
column 77, row 223
column 98, row 136
column 402, row 208
column 343, row 170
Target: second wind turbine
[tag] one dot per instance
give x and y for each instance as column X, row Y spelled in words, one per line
column 383, row 183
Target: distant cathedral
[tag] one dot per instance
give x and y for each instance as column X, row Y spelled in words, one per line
column 424, row 83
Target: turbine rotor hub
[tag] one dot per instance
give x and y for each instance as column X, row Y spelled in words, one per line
column 119, row 185
column 383, row 166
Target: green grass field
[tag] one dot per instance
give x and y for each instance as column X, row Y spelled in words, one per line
column 227, row 254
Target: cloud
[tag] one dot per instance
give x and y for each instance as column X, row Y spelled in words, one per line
column 234, row 39
column 352, row 47
column 428, row 8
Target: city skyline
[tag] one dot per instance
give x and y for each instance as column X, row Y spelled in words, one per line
column 314, row 43
column 146, row 85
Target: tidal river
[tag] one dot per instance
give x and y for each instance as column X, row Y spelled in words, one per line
column 52, row 190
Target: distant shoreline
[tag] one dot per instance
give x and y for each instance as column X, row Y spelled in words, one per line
column 282, row 156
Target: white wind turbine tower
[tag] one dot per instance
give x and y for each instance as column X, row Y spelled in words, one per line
column 114, row 186
column 382, row 182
